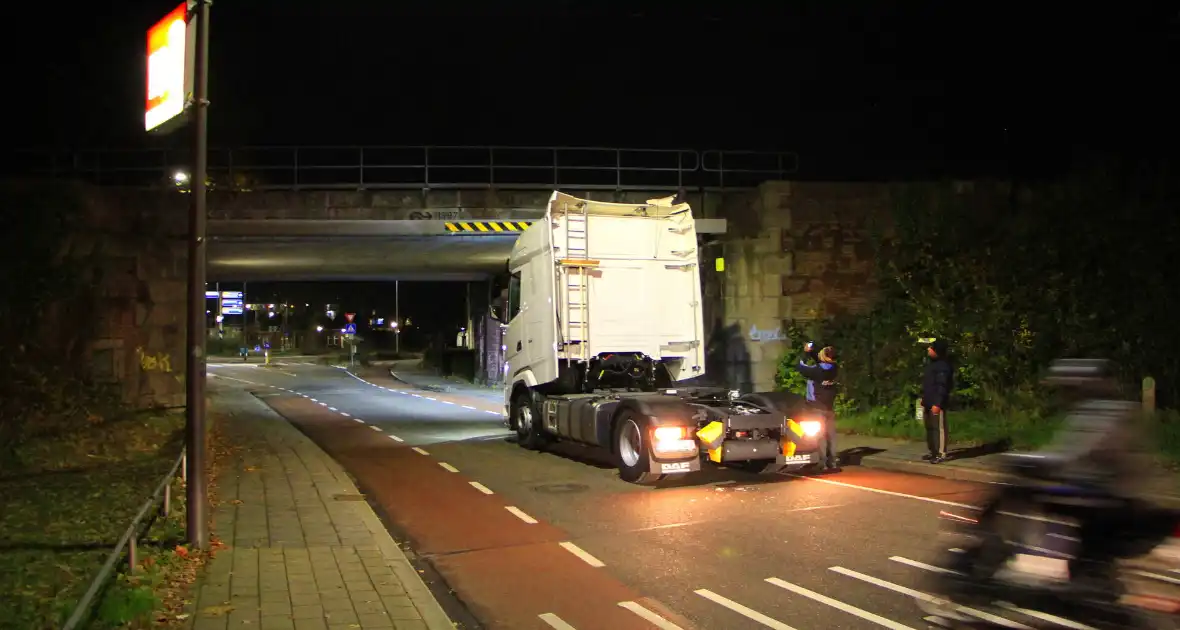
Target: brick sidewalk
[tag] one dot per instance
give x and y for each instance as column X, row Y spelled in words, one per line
column 304, row 550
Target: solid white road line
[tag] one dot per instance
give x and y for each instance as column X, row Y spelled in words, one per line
column 396, row 438
column 839, row 605
column 902, row 495
column 515, row 511
column 419, row 451
column 482, row 488
column 555, row 622
column 649, row 616
column 897, row 588
column 748, row 613
column 448, row 467
column 585, row 557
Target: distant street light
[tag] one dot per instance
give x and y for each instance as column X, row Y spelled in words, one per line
column 319, row 329
column 180, row 177
column 393, row 324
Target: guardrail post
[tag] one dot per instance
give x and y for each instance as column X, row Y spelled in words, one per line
column 131, row 554
column 618, row 170
column 1149, row 395
column 167, row 506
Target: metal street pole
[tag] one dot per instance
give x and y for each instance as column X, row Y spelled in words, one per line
column 397, row 316
column 195, row 432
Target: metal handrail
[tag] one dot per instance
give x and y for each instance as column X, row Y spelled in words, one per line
column 376, row 167
column 128, row 540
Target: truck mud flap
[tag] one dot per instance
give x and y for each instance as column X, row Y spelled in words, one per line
column 674, row 468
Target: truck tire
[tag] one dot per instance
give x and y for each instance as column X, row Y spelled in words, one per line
column 631, row 449
column 529, row 432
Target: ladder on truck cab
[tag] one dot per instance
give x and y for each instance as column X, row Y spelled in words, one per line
column 573, row 274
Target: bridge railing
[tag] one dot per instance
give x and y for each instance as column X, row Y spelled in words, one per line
column 409, row 167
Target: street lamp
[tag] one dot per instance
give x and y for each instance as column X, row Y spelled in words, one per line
column 180, row 177
column 319, row 329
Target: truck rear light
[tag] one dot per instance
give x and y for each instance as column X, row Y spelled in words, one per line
column 672, row 440
column 811, row 428
column 662, row 434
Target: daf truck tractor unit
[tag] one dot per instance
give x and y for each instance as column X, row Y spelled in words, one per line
column 604, row 321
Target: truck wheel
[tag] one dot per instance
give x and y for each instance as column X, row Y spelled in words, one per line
column 632, row 450
column 529, row 432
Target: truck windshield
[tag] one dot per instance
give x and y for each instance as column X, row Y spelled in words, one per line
column 513, row 296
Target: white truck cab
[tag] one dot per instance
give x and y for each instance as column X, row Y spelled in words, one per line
column 604, row 320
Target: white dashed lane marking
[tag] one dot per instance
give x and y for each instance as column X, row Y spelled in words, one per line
column 518, row 513
column 581, row 554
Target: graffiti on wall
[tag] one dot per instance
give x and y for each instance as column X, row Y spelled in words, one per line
column 158, row 362
column 436, row 215
column 760, row 336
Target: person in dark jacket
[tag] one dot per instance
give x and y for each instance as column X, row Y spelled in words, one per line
column 937, row 383
column 821, row 372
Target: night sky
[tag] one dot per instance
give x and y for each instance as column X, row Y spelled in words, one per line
column 851, row 87
column 862, row 89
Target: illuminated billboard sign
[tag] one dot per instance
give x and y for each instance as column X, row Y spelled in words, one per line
column 170, row 47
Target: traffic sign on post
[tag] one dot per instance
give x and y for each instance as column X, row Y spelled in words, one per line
column 350, row 329
column 348, row 317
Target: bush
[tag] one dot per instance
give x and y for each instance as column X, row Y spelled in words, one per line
column 1012, row 278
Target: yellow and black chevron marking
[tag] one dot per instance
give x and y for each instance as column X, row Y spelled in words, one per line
column 488, row 226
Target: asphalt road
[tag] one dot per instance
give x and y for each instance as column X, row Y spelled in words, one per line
column 555, row 540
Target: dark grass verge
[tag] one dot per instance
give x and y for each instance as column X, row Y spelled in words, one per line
column 66, row 507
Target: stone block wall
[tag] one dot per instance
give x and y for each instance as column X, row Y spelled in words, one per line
column 795, row 250
column 135, row 246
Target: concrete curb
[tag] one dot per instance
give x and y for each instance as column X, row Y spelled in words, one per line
column 411, row 383
column 974, row 474
column 419, row 593
column 957, row 473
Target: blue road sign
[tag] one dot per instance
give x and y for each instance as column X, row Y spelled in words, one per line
column 350, row 329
